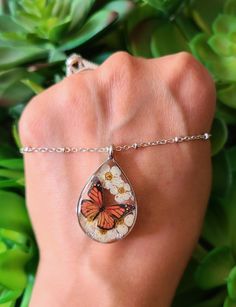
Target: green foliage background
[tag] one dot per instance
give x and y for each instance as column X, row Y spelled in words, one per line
column 35, row 38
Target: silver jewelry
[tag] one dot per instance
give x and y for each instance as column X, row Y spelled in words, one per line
column 107, row 206
column 171, row 140
column 75, row 63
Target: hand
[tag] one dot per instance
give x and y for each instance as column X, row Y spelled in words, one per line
column 125, row 100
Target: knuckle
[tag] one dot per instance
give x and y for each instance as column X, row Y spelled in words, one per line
column 76, row 89
column 193, row 87
column 208, row 91
column 29, row 123
column 118, row 66
column 35, row 121
column 202, row 88
column 188, row 65
column 185, row 58
column 120, row 58
column 47, row 113
column 195, row 79
column 198, row 73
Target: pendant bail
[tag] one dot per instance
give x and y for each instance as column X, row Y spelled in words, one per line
column 111, row 151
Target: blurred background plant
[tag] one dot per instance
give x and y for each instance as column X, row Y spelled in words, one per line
column 36, row 36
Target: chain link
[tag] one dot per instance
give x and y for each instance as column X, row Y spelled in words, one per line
column 173, row 140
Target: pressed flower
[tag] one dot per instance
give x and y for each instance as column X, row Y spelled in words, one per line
column 105, row 236
column 88, row 226
column 110, row 176
column 129, row 220
column 122, row 192
column 122, row 229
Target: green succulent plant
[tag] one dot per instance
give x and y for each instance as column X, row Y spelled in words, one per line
column 17, row 247
column 35, row 38
column 43, row 32
column 46, row 29
column 216, row 48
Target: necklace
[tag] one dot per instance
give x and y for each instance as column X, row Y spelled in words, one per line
column 107, row 206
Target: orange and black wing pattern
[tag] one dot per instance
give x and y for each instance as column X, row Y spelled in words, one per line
column 91, row 207
column 108, row 217
column 105, row 221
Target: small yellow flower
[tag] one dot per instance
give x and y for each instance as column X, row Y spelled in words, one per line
column 122, row 192
column 109, row 176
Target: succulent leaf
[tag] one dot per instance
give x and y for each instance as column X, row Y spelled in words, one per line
column 28, row 290
column 122, row 7
column 176, row 41
column 222, row 174
column 225, row 112
column 229, row 302
column 13, row 212
column 8, row 25
column 224, row 24
column 216, row 229
column 9, row 58
column 221, row 44
column 12, row 164
column 219, row 133
column 79, row 11
column 227, row 95
column 213, row 271
column 231, row 284
column 7, row 295
column 95, row 25
column 36, row 88
column 140, row 45
column 217, row 65
column 17, row 252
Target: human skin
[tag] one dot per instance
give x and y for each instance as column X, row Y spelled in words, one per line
column 123, row 101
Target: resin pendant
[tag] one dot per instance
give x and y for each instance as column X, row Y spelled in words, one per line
column 107, row 206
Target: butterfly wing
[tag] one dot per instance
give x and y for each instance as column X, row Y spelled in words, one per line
column 96, row 192
column 108, row 217
column 93, row 207
column 90, row 208
column 105, row 221
column 120, row 210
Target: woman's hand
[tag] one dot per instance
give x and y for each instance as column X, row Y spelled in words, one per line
column 125, row 100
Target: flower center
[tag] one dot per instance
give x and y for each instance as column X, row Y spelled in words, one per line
column 108, row 176
column 121, row 190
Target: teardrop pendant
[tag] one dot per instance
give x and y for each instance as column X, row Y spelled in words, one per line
column 107, row 206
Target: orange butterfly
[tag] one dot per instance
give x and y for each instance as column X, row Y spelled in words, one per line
column 94, row 208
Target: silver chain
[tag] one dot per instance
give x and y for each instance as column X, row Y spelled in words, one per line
column 75, row 64
column 172, row 140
